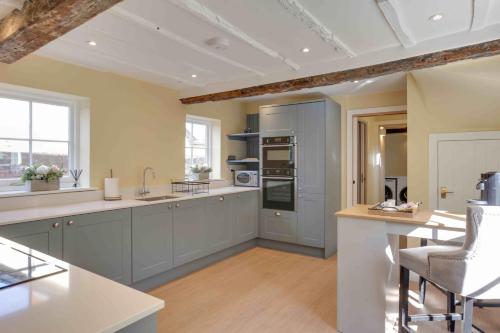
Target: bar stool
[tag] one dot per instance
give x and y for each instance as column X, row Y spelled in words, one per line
column 470, row 271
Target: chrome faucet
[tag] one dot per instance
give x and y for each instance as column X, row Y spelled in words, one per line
column 144, row 190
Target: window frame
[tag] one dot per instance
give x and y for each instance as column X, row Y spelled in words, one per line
column 200, row 121
column 12, row 184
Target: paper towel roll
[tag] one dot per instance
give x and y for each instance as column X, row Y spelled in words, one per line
column 111, row 188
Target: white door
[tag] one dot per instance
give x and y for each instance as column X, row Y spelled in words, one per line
column 459, row 167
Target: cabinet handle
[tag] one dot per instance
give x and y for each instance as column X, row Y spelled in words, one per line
column 169, row 206
column 177, row 205
column 277, row 214
column 300, row 195
column 56, row 225
column 221, row 198
column 238, row 196
column 300, row 188
column 71, row 222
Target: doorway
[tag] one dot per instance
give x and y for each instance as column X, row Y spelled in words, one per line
column 376, row 150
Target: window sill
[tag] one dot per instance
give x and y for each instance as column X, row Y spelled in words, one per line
column 10, row 194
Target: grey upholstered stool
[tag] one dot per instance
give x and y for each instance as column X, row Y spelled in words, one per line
column 470, row 271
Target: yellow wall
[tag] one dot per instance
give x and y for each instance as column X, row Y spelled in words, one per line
column 462, row 97
column 133, row 123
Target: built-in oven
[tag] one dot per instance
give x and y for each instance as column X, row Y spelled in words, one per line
column 278, row 189
column 278, row 152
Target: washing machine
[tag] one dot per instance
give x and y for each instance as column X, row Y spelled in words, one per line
column 402, row 190
column 390, row 188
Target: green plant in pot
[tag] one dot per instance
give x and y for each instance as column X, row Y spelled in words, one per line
column 201, row 172
column 42, row 178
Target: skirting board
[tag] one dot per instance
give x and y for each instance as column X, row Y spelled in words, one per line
column 145, row 325
column 294, row 248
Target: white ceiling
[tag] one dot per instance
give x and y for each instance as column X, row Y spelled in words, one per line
column 164, row 41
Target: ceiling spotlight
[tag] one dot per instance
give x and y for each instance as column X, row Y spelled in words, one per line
column 369, row 81
column 356, row 81
column 436, row 17
column 218, row 43
column 194, row 75
column 306, row 50
column 92, row 43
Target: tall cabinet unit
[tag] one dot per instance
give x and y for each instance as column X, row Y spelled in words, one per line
column 316, row 126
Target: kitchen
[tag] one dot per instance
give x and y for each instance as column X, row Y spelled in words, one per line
column 136, row 108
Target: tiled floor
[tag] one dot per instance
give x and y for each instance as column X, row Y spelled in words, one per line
column 263, row 290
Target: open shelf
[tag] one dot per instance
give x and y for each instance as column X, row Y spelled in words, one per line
column 242, row 136
column 241, row 161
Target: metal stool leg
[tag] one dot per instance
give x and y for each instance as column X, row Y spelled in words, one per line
column 451, row 308
column 404, row 283
column 467, row 307
column 422, row 286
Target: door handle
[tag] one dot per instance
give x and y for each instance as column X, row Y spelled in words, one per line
column 444, row 192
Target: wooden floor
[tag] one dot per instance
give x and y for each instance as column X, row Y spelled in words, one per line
column 263, row 290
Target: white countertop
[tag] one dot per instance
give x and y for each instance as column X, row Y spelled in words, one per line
column 40, row 213
column 73, row 301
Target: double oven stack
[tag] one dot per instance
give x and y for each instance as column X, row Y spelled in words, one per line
column 279, row 173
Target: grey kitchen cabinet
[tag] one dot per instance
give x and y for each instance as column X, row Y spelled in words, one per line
column 246, row 216
column 101, row 243
column 311, row 148
column 278, row 225
column 280, row 120
column 152, row 240
column 44, row 236
column 190, row 230
column 311, row 220
column 219, row 222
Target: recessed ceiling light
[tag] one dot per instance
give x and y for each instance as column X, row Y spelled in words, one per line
column 436, row 17
column 369, row 81
column 306, row 50
column 92, row 43
column 356, row 81
column 194, row 75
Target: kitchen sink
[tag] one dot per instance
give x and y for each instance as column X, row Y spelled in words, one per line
column 163, row 197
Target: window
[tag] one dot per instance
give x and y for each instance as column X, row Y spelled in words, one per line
column 34, row 131
column 202, row 144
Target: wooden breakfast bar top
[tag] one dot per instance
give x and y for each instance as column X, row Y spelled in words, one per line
column 431, row 218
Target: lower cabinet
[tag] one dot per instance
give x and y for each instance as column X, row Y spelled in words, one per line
column 311, row 220
column 246, row 216
column 44, row 236
column 278, row 225
column 190, row 230
column 101, row 243
column 152, row 240
column 219, row 222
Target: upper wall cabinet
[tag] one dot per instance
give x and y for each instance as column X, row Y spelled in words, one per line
column 44, row 236
column 280, row 120
column 101, row 243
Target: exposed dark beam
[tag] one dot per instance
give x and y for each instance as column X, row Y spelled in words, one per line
column 480, row 50
column 39, row 22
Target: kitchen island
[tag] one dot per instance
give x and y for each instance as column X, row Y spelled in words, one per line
column 75, row 301
column 368, row 263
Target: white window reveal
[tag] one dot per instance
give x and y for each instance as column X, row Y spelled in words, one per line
column 36, row 128
column 202, row 144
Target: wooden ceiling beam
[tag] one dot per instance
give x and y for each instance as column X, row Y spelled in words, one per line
column 486, row 49
column 39, row 22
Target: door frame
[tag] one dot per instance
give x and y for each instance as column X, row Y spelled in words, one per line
column 351, row 132
column 433, row 156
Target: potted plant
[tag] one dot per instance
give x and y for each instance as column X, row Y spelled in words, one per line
column 201, row 172
column 42, row 178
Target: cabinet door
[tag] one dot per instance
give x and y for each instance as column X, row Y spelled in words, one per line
column 278, row 225
column 311, row 220
column 246, row 211
column 152, row 241
column 189, row 230
column 311, row 148
column 44, row 236
column 101, row 243
column 219, row 222
column 278, row 120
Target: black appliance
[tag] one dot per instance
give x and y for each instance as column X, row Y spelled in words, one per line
column 278, row 192
column 278, row 152
column 489, row 185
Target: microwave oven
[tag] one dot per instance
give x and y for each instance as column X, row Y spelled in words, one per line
column 246, row 178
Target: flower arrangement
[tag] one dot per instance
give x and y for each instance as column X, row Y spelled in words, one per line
column 42, row 172
column 201, row 169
